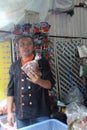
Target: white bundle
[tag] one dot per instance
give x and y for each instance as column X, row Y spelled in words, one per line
column 31, row 65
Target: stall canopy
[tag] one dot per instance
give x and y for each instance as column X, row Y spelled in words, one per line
column 13, row 12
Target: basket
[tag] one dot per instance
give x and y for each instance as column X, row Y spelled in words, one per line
column 51, row 124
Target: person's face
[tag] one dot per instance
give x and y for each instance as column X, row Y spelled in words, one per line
column 26, row 47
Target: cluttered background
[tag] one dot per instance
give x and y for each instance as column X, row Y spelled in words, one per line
column 60, row 34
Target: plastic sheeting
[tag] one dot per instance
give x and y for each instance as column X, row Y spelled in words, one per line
column 14, row 11
column 62, row 5
column 51, row 5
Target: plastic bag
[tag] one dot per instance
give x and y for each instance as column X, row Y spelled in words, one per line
column 62, row 5
column 82, row 50
column 32, row 65
column 5, row 126
column 79, row 124
column 83, row 70
column 4, row 106
column 74, row 96
column 76, row 116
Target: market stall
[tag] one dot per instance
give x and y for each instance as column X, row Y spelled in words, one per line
column 60, row 35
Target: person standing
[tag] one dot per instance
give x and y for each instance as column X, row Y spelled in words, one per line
column 29, row 92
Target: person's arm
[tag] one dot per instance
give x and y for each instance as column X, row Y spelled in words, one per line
column 45, row 79
column 35, row 78
column 10, row 117
column 10, row 103
column 44, row 83
column 10, row 97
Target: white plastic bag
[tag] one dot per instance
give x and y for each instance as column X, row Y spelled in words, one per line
column 4, row 124
column 32, row 65
column 74, row 96
column 4, row 106
column 76, row 116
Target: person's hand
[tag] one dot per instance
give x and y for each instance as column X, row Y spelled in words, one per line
column 10, row 119
column 34, row 76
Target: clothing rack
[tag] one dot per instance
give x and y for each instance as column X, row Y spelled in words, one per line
column 67, row 37
column 1, row 31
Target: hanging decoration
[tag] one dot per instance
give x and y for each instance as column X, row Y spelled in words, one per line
column 40, row 33
column 41, row 36
column 26, row 28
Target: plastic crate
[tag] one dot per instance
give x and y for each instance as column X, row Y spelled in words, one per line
column 51, row 124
